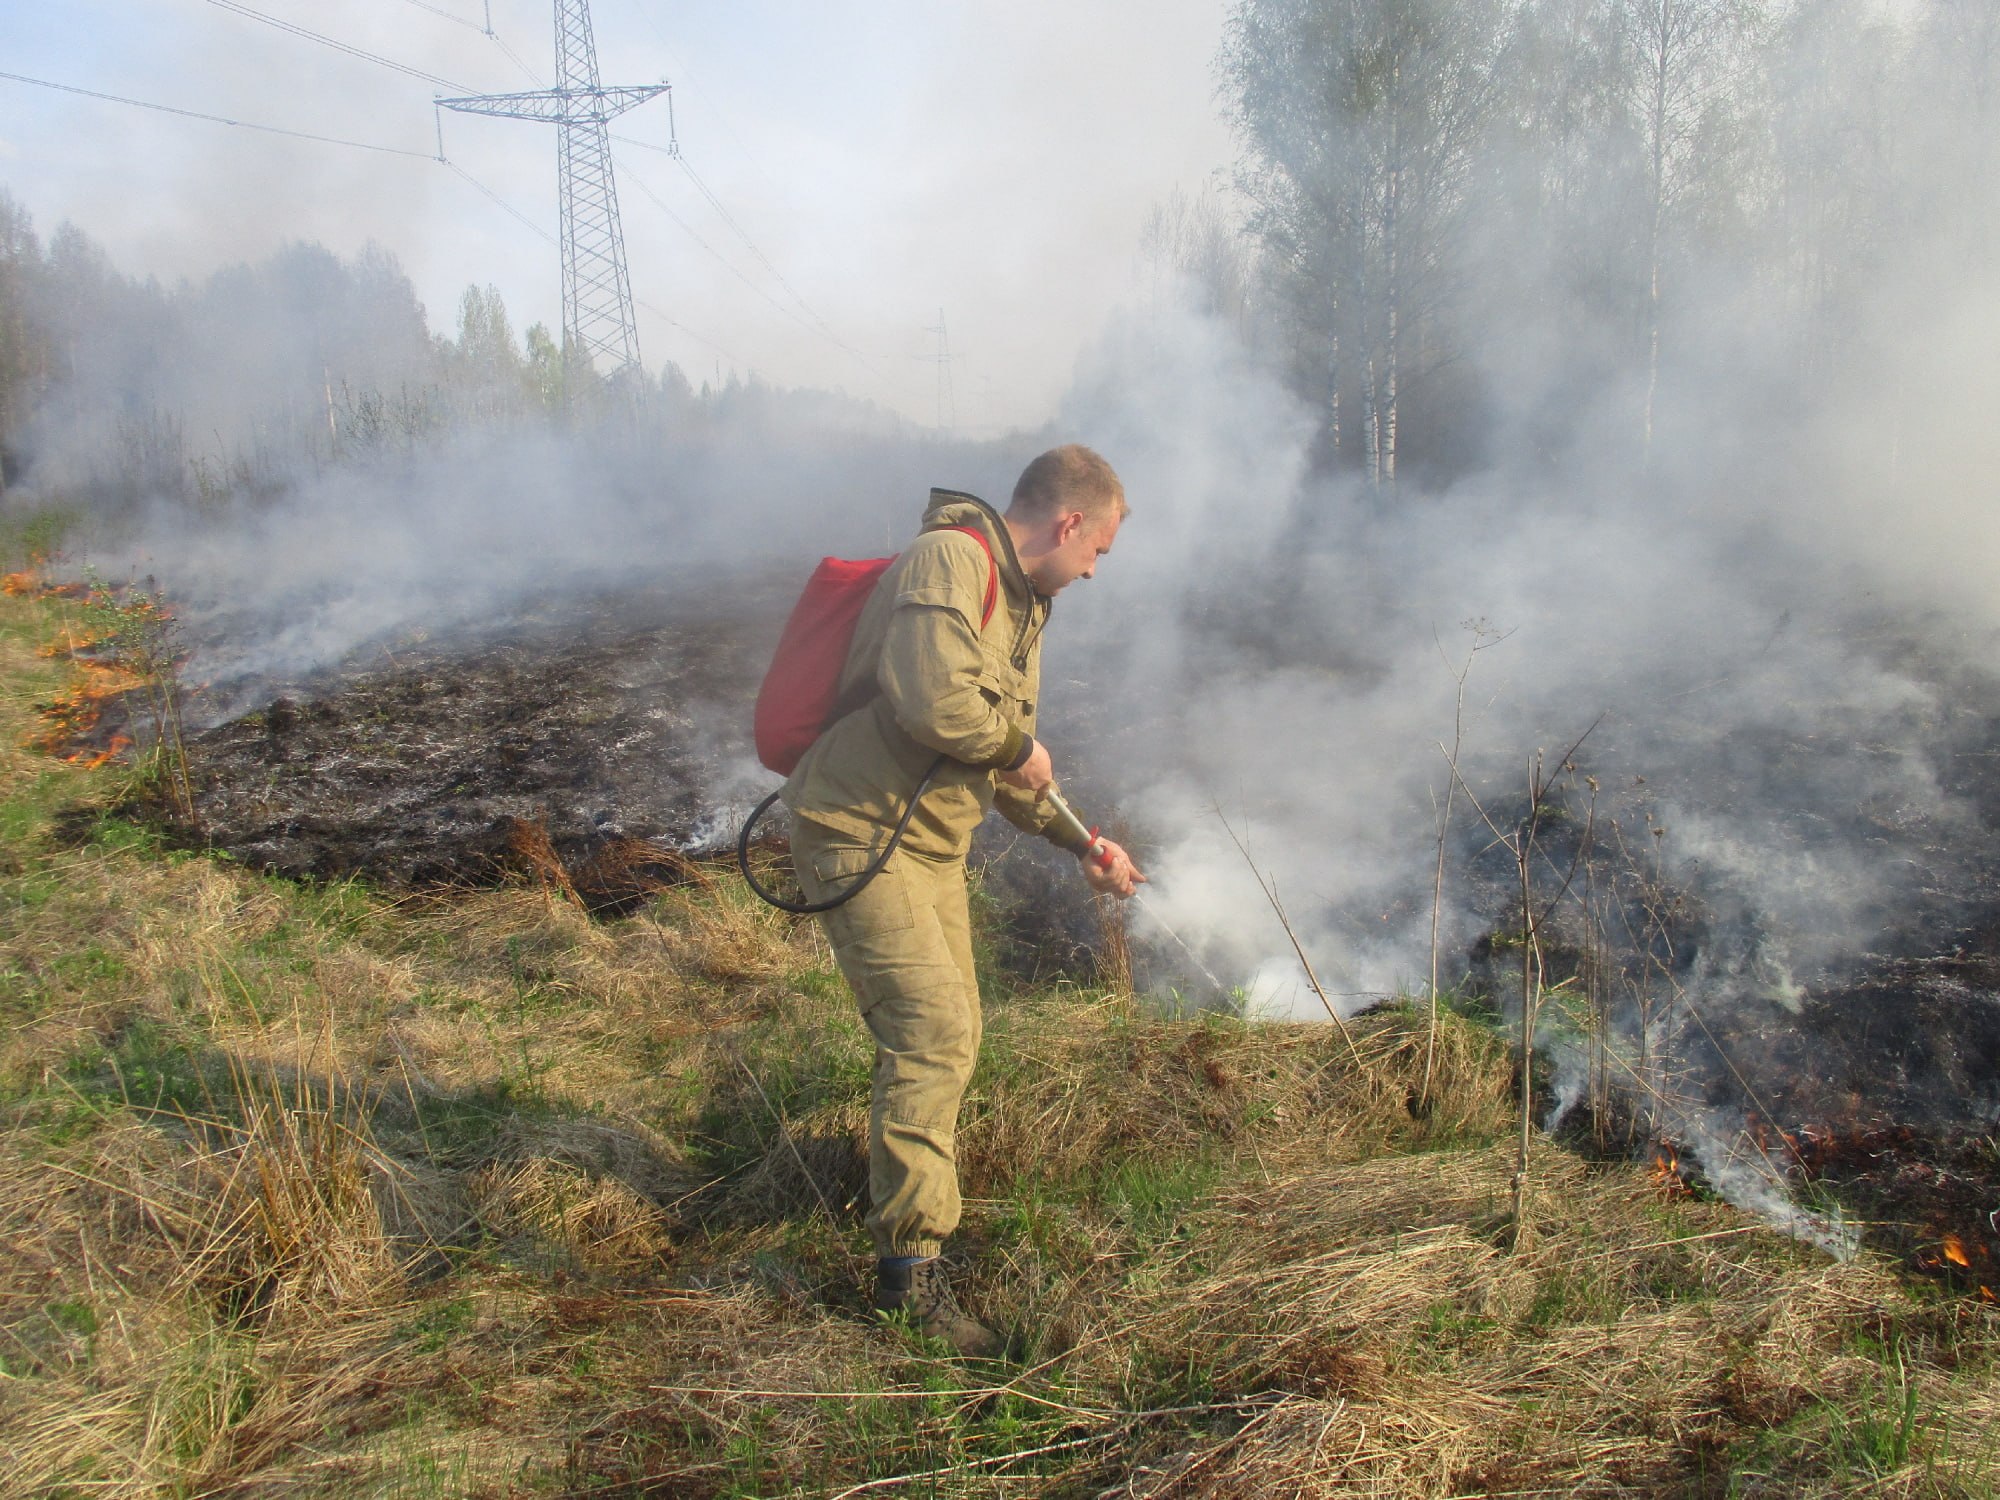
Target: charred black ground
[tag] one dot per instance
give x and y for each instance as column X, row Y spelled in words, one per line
column 1867, row 1067
column 1861, row 1065
column 620, row 717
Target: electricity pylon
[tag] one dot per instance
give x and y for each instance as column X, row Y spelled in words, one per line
column 597, row 291
column 947, row 398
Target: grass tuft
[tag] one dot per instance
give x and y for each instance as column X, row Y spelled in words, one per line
column 323, row 1191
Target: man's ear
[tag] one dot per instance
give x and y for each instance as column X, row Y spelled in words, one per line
column 1068, row 526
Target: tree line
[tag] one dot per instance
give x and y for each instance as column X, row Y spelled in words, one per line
column 1469, row 231
column 1475, row 217
column 116, row 389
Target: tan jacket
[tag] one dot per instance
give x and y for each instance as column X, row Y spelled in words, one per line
column 924, row 678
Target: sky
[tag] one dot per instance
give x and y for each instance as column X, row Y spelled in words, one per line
column 883, row 165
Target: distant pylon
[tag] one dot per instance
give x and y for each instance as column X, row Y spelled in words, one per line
column 947, row 399
column 597, row 290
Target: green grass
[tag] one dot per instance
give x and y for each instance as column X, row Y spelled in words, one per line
column 1878, row 1430
column 30, row 536
column 1176, row 1218
column 1568, row 1296
column 1447, row 1330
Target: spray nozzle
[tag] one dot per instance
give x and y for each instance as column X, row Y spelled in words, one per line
column 1072, row 827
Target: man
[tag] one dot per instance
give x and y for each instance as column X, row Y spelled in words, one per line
column 926, row 679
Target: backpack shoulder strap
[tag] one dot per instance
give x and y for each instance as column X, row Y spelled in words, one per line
column 992, row 571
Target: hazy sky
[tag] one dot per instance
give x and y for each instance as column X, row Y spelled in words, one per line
column 890, row 159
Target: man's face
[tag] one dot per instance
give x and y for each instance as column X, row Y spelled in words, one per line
column 1080, row 541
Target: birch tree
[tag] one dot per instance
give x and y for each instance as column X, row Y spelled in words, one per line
column 1362, row 120
column 1188, row 247
column 1958, row 114
column 1836, row 141
column 1686, row 58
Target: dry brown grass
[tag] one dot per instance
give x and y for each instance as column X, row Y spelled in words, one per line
column 186, row 1291
column 315, row 1192
column 1084, row 1084
column 1417, row 1358
column 595, row 1222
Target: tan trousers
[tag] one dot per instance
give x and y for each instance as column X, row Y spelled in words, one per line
column 905, row 946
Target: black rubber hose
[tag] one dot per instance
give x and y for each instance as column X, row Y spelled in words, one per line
column 806, row 908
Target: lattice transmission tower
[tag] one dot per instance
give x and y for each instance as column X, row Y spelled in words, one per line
column 947, row 398
column 597, row 290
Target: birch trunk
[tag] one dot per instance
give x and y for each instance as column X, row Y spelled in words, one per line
column 1662, row 61
column 1333, row 404
column 1393, row 288
column 1374, row 425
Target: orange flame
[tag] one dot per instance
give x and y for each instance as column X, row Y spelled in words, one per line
column 116, row 649
column 120, row 743
column 1666, row 1173
column 69, row 643
column 1954, row 1251
column 74, row 714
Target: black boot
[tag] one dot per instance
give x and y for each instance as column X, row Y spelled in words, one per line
column 920, row 1289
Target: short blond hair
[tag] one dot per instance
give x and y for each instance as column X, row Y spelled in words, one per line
column 1071, row 477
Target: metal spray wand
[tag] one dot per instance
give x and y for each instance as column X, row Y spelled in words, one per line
column 1071, row 825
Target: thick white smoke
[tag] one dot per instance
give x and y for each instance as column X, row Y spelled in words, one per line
column 1762, row 613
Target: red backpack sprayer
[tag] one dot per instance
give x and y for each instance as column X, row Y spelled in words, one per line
column 800, row 697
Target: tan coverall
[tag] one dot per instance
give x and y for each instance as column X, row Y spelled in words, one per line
column 923, row 679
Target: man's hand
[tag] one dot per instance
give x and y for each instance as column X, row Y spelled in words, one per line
column 1111, row 869
column 1036, row 774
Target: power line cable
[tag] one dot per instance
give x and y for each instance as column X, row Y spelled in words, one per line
column 744, row 235
column 724, row 214
column 811, row 320
column 817, row 323
column 550, row 239
column 639, row 182
column 689, row 230
column 507, row 207
column 439, row 10
column 515, row 57
column 235, row 8
column 305, row 135
column 813, row 323
column 486, row 31
column 697, row 337
column 645, row 14
column 195, row 114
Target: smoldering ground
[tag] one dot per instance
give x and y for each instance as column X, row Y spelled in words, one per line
column 1774, row 647
column 1777, row 744
column 1782, row 743
column 1768, row 871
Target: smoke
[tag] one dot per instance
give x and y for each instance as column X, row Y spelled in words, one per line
column 1751, row 587
column 1285, row 655
column 1775, row 620
column 469, row 531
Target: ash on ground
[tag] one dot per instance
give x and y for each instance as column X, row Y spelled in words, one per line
column 620, row 717
column 1850, row 1066
column 585, row 729
column 1870, row 1065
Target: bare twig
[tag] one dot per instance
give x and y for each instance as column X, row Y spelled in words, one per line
column 971, row 1464
column 1312, row 978
column 1520, row 842
column 1483, row 637
column 970, row 1393
column 1131, row 1419
column 1531, row 977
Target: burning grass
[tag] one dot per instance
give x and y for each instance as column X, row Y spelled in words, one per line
column 312, row 1190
